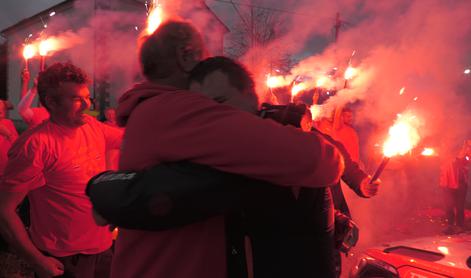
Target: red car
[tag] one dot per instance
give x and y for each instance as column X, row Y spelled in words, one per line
column 442, row 256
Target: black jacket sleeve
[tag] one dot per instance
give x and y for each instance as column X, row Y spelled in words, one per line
column 353, row 175
column 169, row 195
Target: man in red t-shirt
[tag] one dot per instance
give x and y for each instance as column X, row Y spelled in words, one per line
column 347, row 135
column 166, row 123
column 52, row 163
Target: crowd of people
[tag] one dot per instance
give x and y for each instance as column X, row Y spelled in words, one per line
column 271, row 193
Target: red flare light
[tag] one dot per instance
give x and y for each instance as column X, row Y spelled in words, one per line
column 428, row 152
column 403, row 136
column 350, row 72
column 276, row 81
column 46, row 46
column 154, row 19
column 321, row 81
column 297, row 88
column 316, row 111
column 29, row 51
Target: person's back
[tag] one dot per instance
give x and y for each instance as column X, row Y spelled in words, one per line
column 196, row 250
column 188, row 126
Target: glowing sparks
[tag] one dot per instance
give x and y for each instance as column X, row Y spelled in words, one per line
column 29, row 51
column 154, row 19
column 467, row 71
column 416, row 98
column 297, row 88
column 428, row 152
column 48, row 45
column 403, row 136
column 401, row 92
column 276, row 81
column 443, row 249
column 350, row 72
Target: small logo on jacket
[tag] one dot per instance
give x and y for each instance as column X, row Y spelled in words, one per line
column 114, row 176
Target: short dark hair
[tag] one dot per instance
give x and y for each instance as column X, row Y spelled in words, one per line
column 51, row 78
column 238, row 75
column 158, row 51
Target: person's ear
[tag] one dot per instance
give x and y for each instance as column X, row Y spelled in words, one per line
column 187, row 57
column 195, row 86
column 51, row 103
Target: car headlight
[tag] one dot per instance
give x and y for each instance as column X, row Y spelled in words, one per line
column 370, row 267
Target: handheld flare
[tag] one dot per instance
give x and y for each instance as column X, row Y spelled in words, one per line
column 403, row 136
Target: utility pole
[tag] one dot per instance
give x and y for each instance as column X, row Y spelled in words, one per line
column 252, row 35
column 252, row 28
column 337, row 26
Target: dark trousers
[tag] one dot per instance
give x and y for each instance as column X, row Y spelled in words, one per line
column 455, row 200
column 86, row 266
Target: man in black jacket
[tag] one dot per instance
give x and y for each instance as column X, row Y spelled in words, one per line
column 290, row 231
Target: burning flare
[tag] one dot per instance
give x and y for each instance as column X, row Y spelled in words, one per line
column 321, row 81
column 403, row 136
column 297, row 88
column 316, row 111
column 276, row 81
column 350, row 72
column 29, row 51
column 428, row 152
column 47, row 45
column 154, row 19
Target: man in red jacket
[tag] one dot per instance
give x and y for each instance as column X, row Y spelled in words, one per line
column 454, row 179
column 166, row 123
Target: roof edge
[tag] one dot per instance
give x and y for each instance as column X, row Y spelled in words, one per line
column 29, row 20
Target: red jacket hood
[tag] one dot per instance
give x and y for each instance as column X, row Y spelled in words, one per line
column 137, row 94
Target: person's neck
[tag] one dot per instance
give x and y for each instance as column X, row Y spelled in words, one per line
column 179, row 81
column 58, row 121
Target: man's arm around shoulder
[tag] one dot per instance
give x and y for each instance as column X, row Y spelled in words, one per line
column 229, row 140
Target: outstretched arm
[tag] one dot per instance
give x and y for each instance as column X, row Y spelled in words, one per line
column 169, row 195
column 193, row 128
column 25, row 77
column 354, row 176
column 24, row 106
